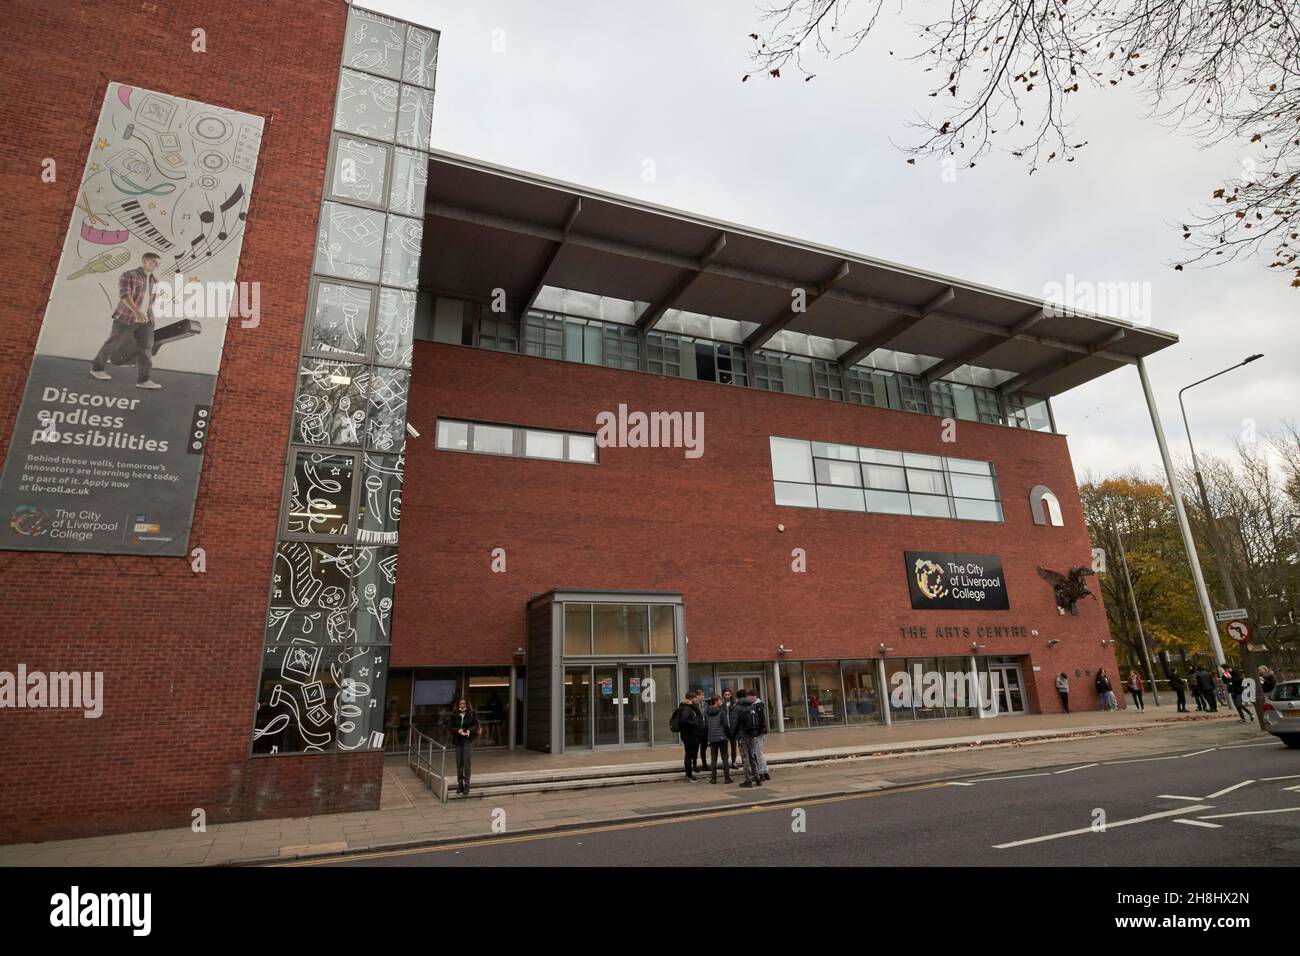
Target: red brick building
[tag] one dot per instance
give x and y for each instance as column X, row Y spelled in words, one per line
column 841, row 419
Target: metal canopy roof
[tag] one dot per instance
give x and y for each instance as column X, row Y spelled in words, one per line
column 488, row 227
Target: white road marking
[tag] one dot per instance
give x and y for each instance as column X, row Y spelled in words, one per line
column 1072, row 769
column 1198, row 823
column 1019, row 776
column 1235, row 786
column 1144, row 759
column 1242, row 746
column 1296, row 788
column 1170, row 796
column 1294, row 776
column 1199, row 752
column 959, row 783
column 1109, row 826
column 1250, row 813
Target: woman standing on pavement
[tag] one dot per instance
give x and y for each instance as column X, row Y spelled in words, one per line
column 1063, row 688
column 464, row 728
column 1136, row 687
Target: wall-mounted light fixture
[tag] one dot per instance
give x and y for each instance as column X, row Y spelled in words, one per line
column 884, row 649
column 782, row 650
column 977, row 646
column 1107, row 643
column 1053, row 642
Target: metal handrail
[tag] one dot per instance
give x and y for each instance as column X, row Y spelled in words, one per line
column 415, row 759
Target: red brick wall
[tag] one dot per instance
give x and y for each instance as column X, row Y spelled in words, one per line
column 180, row 651
column 652, row 519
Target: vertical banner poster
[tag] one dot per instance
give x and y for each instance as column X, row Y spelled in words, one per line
column 108, row 445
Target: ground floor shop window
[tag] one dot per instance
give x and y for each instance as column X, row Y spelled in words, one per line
column 434, row 692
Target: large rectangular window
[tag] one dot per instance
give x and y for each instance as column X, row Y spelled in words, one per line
column 810, row 474
column 516, row 442
column 581, row 340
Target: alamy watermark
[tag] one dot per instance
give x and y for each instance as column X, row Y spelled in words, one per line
column 624, row 429
column 196, row 299
column 1130, row 301
column 946, row 689
column 57, row 690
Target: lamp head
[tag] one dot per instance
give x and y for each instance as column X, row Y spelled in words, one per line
column 1252, row 358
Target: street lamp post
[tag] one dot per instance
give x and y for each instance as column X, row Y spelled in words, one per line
column 1216, row 544
column 1198, row 578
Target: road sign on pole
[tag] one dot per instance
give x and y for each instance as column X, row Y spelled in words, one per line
column 1235, row 614
column 1239, row 631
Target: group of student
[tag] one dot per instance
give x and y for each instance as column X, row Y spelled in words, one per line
column 726, row 726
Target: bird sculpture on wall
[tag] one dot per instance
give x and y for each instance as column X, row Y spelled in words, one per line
column 1070, row 588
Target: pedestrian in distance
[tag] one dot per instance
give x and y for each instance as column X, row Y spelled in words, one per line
column 1195, row 688
column 1136, row 687
column 729, row 723
column 1205, row 683
column 464, row 728
column 1104, row 692
column 759, row 756
column 749, row 719
column 1232, row 680
column 1063, row 688
column 715, row 723
column 685, row 722
column 1179, row 687
column 1267, row 680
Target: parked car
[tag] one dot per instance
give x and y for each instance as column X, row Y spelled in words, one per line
column 1282, row 712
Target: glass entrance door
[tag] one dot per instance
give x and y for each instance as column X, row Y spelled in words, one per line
column 621, row 717
column 751, row 682
column 1010, row 698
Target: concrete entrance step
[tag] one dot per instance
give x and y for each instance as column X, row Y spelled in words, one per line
column 660, row 771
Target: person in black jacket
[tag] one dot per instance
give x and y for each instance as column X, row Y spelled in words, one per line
column 1179, row 686
column 749, row 720
column 1267, row 680
column 686, row 723
column 1195, row 688
column 1104, row 692
column 701, row 735
column 729, row 720
column 464, row 728
column 1205, row 681
column 1233, row 680
column 716, row 730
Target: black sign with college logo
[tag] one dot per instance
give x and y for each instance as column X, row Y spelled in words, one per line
column 942, row 580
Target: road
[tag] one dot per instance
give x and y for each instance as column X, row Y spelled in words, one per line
column 1208, row 806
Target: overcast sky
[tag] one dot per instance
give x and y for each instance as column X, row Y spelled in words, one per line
column 588, row 91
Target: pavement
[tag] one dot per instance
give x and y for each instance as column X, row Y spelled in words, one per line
column 834, row 762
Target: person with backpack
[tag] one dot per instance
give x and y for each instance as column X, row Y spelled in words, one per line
column 1178, row 685
column 1195, row 686
column 464, row 728
column 716, row 729
column 759, row 756
column 1267, row 680
column 686, row 722
column 729, row 721
column 749, row 720
column 1136, row 687
column 1063, row 689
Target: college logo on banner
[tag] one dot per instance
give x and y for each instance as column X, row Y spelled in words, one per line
column 948, row 581
column 106, row 453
